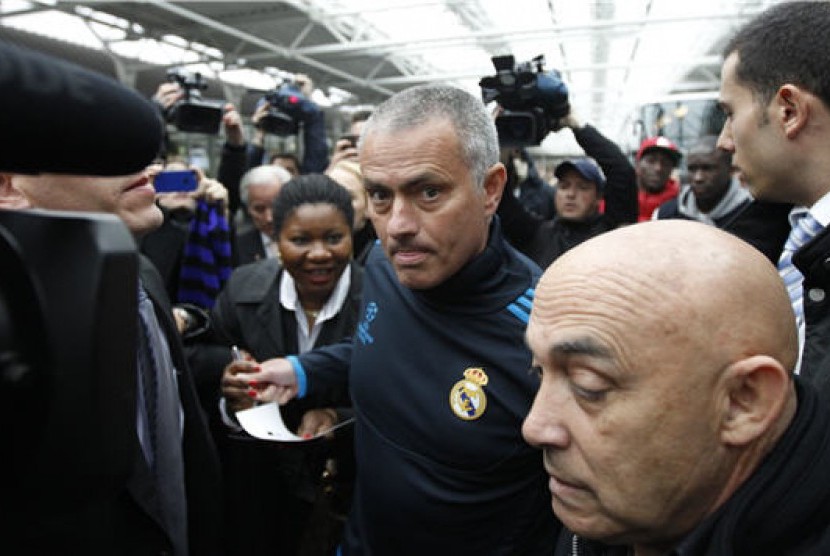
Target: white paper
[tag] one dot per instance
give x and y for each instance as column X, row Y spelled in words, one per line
column 265, row 422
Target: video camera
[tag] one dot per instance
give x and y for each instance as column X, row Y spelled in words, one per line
column 285, row 111
column 533, row 99
column 193, row 113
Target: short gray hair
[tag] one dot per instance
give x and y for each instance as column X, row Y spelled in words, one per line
column 265, row 174
column 474, row 126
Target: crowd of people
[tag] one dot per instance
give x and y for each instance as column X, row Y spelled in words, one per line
column 609, row 365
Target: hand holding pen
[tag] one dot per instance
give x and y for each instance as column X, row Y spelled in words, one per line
column 237, row 393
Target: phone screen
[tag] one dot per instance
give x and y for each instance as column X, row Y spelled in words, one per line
column 175, row 180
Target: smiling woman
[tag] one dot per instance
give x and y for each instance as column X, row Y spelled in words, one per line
column 315, row 244
column 271, row 308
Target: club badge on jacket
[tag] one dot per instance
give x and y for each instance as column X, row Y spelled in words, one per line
column 467, row 398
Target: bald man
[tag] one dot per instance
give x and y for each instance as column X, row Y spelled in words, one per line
column 668, row 414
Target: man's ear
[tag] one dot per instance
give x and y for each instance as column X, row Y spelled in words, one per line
column 756, row 390
column 494, row 181
column 792, row 105
column 11, row 198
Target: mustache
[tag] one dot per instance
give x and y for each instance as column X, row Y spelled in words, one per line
column 406, row 245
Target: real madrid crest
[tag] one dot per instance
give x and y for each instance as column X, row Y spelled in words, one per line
column 467, row 398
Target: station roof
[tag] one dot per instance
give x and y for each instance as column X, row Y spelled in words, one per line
column 613, row 54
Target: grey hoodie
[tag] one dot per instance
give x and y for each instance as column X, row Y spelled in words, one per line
column 735, row 197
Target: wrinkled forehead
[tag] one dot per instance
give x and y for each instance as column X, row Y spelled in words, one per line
column 613, row 324
column 605, row 286
column 432, row 147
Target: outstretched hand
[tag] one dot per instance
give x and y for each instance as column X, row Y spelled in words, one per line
column 234, row 131
column 275, row 381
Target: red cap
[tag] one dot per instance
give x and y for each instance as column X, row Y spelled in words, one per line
column 663, row 144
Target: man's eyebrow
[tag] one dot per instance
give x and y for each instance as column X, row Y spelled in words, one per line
column 414, row 181
column 561, row 351
column 367, row 183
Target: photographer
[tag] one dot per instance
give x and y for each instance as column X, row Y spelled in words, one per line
column 315, row 150
column 578, row 196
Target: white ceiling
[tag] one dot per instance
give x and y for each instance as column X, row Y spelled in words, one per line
column 613, row 54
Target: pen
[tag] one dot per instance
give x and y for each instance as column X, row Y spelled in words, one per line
column 237, row 356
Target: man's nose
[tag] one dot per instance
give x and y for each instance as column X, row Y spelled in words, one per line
column 545, row 423
column 402, row 219
column 725, row 141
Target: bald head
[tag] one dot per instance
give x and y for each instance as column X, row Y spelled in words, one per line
column 681, row 280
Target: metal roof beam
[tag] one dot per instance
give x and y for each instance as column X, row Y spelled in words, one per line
column 265, row 45
column 499, row 35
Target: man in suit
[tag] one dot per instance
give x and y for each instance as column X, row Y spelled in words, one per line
column 258, row 189
column 171, row 502
column 775, row 92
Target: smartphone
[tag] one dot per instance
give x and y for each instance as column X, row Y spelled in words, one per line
column 171, row 181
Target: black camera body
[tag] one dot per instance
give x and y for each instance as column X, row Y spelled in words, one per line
column 285, row 111
column 67, row 377
column 533, row 99
column 193, row 114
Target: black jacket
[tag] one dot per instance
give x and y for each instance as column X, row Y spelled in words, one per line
column 232, row 166
column 201, row 463
column 437, row 475
column 164, row 247
column 813, row 260
column 762, row 224
column 248, row 247
column 783, row 509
